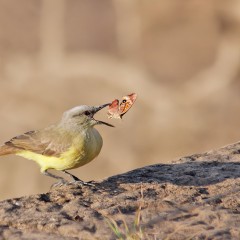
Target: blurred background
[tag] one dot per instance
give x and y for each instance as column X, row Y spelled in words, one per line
column 182, row 58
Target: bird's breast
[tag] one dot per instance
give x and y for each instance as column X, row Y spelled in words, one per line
column 85, row 148
column 92, row 144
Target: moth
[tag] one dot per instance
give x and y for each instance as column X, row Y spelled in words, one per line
column 117, row 110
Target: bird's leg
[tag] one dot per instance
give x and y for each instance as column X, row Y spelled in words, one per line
column 62, row 180
column 72, row 176
column 77, row 180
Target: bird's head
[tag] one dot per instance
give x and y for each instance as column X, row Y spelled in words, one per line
column 83, row 115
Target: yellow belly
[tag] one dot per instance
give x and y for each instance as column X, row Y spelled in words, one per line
column 84, row 149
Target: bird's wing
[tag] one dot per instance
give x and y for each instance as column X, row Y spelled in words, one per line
column 48, row 142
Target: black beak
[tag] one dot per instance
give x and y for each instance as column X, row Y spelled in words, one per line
column 98, row 108
column 105, row 123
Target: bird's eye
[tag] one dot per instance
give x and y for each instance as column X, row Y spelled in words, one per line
column 124, row 100
column 87, row 113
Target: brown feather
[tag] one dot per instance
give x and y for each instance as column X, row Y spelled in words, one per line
column 5, row 150
column 43, row 142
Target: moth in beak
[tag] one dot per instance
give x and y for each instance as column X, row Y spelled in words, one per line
column 98, row 108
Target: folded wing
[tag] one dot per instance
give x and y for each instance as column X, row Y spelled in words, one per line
column 47, row 142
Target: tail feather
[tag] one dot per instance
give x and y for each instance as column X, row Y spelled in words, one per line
column 5, row 150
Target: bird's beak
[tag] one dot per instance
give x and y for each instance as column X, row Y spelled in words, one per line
column 98, row 108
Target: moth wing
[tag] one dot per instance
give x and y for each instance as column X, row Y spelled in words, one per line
column 113, row 109
column 127, row 103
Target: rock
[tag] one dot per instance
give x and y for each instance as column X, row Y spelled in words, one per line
column 196, row 197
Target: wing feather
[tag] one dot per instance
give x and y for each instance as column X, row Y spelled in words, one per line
column 48, row 142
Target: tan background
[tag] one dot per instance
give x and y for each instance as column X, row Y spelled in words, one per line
column 181, row 57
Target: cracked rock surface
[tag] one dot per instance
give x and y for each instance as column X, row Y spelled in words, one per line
column 196, row 197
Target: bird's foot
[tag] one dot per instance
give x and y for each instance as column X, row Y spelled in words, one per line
column 59, row 183
column 78, row 181
column 82, row 183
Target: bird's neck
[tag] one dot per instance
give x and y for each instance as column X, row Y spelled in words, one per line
column 75, row 126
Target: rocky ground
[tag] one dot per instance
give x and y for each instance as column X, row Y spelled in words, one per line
column 196, row 197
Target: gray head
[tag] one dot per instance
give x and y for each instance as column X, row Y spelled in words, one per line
column 83, row 115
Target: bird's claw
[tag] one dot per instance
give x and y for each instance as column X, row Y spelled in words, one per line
column 82, row 183
column 59, row 184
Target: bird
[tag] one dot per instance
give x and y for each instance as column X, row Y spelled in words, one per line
column 70, row 143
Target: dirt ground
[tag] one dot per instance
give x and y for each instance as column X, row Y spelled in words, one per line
column 196, row 197
column 181, row 57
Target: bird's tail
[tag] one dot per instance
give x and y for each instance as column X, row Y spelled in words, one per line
column 5, row 150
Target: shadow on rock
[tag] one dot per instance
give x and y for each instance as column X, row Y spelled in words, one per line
column 182, row 174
